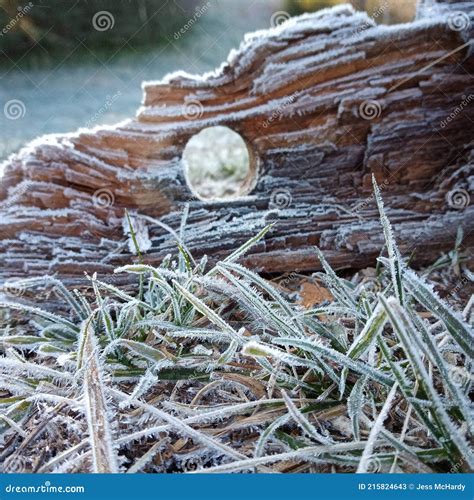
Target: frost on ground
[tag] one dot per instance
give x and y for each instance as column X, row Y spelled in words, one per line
column 215, row 369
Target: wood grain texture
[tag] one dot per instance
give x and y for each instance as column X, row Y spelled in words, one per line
column 323, row 102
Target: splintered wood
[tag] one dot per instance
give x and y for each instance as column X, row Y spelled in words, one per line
column 323, row 101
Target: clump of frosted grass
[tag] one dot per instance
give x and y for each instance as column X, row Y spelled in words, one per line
column 215, row 370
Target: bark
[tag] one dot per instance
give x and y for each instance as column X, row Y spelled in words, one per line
column 323, row 103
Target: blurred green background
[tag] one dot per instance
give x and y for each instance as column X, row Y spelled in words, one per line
column 77, row 63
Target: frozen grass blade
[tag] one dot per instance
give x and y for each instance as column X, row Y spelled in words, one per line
column 372, row 328
column 335, row 284
column 377, row 428
column 303, row 422
column 455, row 324
column 395, row 260
column 122, row 295
column 452, row 435
column 343, row 360
column 242, row 250
column 54, row 318
column 104, row 458
column 309, row 453
column 268, row 432
column 148, row 456
column 181, row 426
column 207, row 312
column 104, row 313
column 430, row 348
column 260, row 307
column 355, row 405
column 58, row 287
column 139, row 348
column 263, row 284
column 33, row 369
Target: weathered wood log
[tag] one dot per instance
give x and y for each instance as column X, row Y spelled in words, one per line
column 323, row 101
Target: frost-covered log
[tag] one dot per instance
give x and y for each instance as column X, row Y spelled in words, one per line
column 323, row 101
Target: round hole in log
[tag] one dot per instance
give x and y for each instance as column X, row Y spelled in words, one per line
column 219, row 164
